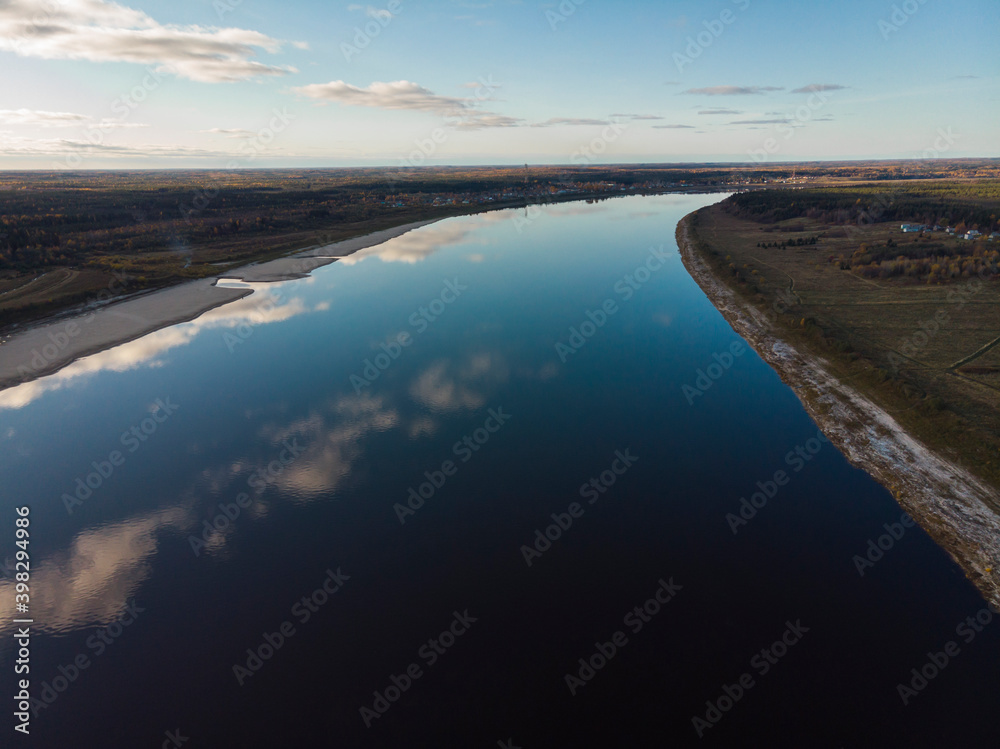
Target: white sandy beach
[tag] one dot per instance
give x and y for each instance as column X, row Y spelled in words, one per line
column 47, row 347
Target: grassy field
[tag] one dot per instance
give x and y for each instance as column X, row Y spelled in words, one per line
column 926, row 351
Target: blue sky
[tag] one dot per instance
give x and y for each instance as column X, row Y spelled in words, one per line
column 231, row 83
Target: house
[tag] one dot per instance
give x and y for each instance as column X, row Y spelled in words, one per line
column 995, row 235
column 950, row 230
column 973, row 234
column 908, row 228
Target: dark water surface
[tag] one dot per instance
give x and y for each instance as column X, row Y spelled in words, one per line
column 253, row 404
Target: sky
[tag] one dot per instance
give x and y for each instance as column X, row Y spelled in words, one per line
column 229, row 84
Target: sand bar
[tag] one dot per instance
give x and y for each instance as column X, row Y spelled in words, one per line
column 46, row 347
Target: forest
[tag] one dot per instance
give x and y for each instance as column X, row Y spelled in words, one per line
column 972, row 204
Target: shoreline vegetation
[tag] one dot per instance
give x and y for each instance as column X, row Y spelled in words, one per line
column 68, row 239
column 46, row 343
column 72, row 238
column 51, row 320
column 850, row 401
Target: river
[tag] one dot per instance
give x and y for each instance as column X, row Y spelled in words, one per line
column 508, row 479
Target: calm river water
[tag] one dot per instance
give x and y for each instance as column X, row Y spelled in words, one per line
column 479, row 486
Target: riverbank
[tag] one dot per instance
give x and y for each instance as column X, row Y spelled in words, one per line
column 46, row 347
column 951, row 504
column 37, row 348
column 121, row 234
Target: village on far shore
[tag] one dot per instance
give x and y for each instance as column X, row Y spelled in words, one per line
column 971, row 234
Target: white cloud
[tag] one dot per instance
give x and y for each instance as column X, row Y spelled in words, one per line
column 639, row 116
column 732, row 90
column 379, row 14
column 462, row 112
column 334, row 435
column 101, row 31
column 89, row 583
column 440, row 391
column 116, row 125
column 42, row 118
column 414, row 246
column 484, row 84
column 779, row 121
column 20, row 146
column 818, row 87
column 230, row 132
column 388, row 95
column 407, row 95
column 570, row 121
column 150, row 350
column 484, row 120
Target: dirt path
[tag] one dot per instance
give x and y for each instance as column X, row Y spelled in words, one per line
column 40, row 286
column 975, row 354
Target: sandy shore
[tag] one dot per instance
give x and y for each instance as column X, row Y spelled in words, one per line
column 953, row 506
column 44, row 348
column 301, row 264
